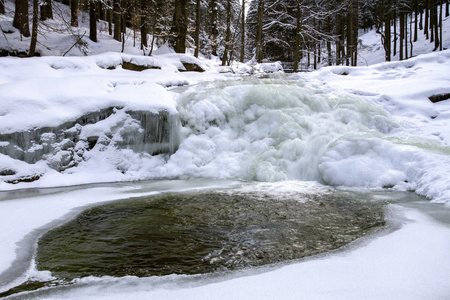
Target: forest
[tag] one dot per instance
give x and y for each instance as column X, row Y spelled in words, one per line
column 318, row 31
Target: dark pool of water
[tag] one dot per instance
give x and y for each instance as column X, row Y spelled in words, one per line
column 203, row 232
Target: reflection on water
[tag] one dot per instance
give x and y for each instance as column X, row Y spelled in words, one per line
column 192, row 233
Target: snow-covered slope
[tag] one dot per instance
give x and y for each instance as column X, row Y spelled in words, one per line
column 371, row 51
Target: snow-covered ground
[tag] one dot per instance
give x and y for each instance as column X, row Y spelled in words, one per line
column 369, row 128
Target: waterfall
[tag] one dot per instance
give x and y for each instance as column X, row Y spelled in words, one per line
column 65, row 146
column 267, row 130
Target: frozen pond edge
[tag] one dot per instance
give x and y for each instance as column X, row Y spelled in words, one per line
column 415, row 219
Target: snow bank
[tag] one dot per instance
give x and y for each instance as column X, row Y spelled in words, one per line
column 49, row 91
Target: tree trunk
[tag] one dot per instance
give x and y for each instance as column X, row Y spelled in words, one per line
column 330, row 56
column 340, row 49
column 21, row 17
column 319, row 53
column 421, row 18
column 228, row 35
column 179, row 27
column 435, row 25
column 117, row 15
column 2, row 6
column 440, row 25
column 46, row 10
column 100, row 11
column 427, row 17
column 349, row 24
column 315, row 56
column 109, row 16
column 197, row 27
column 402, row 34
column 74, row 13
column 259, row 32
column 93, row 21
column 387, row 38
column 143, row 24
column 34, row 30
column 395, row 31
column 309, row 57
column 355, row 32
column 213, row 30
column 405, row 23
column 416, row 11
column 410, row 37
column 298, row 27
column 432, row 17
column 242, row 56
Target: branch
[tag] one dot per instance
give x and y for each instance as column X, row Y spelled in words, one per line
column 74, row 44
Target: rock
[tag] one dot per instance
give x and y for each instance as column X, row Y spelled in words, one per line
column 439, row 97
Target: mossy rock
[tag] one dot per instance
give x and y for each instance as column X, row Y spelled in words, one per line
column 439, row 97
column 134, row 67
column 191, row 67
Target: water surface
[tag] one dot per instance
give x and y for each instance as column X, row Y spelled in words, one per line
column 202, row 232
